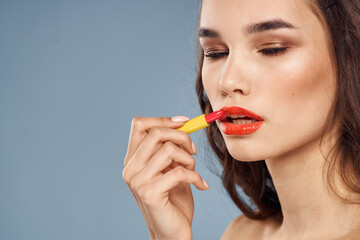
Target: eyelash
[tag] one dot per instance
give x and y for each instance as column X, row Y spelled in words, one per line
column 273, row 51
column 215, row 55
column 266, row 51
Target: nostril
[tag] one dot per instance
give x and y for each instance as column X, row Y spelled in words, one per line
column 239, row 90
column 227, row 93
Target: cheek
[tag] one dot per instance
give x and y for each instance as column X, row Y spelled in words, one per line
column 302, row 84
column 300, row 92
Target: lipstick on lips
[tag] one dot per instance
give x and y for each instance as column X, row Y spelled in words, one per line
column 239, row 121
column 234, row 120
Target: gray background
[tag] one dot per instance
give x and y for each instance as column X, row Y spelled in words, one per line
column 72, row 76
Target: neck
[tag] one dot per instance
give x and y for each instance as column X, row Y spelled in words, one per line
column 307, row 206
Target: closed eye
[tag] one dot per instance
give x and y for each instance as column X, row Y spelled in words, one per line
column 216, row 55
column 273, row 51
column 266, row 51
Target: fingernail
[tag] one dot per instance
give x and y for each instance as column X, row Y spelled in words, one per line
column 206, row 184
column 177, row 119
column 194, row 148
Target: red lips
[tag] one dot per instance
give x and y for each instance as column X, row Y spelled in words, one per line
column 228, row 126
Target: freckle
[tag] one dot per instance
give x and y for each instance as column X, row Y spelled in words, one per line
column 293, row 94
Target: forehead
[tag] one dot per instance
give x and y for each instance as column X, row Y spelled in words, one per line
column 234, row 13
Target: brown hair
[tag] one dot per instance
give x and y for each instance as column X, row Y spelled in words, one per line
column 341, row 19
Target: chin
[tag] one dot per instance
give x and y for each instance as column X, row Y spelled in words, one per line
column 245, row 150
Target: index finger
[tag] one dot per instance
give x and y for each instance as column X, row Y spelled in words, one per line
column 140, row 127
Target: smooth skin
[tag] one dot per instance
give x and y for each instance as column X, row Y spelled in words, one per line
column 159, row 168
column 285, row 74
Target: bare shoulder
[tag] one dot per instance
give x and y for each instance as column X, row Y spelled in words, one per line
column 243, row 227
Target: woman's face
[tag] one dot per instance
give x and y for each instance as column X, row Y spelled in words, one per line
column 271, row 57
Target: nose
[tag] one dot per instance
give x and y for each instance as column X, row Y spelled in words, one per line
column 234, row 78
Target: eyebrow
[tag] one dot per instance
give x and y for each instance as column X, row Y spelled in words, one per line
column 207, row 33
column 250, row 29
column 267, row 26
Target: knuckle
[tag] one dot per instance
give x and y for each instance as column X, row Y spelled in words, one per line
column 179, row 171
column 137, row 122
column 156, row 132
column 125, row 175
column 169, row 148
column 134, row 184
column 146, row 195
column 191, row 163
column 185, row 137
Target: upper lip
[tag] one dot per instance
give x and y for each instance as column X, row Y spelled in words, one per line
column 237, row 110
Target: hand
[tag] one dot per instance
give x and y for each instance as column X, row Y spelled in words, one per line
column 159, row 169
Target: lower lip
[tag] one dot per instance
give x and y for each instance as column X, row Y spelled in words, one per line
column 240, row 129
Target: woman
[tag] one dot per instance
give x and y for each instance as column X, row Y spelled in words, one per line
column 290, row 67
